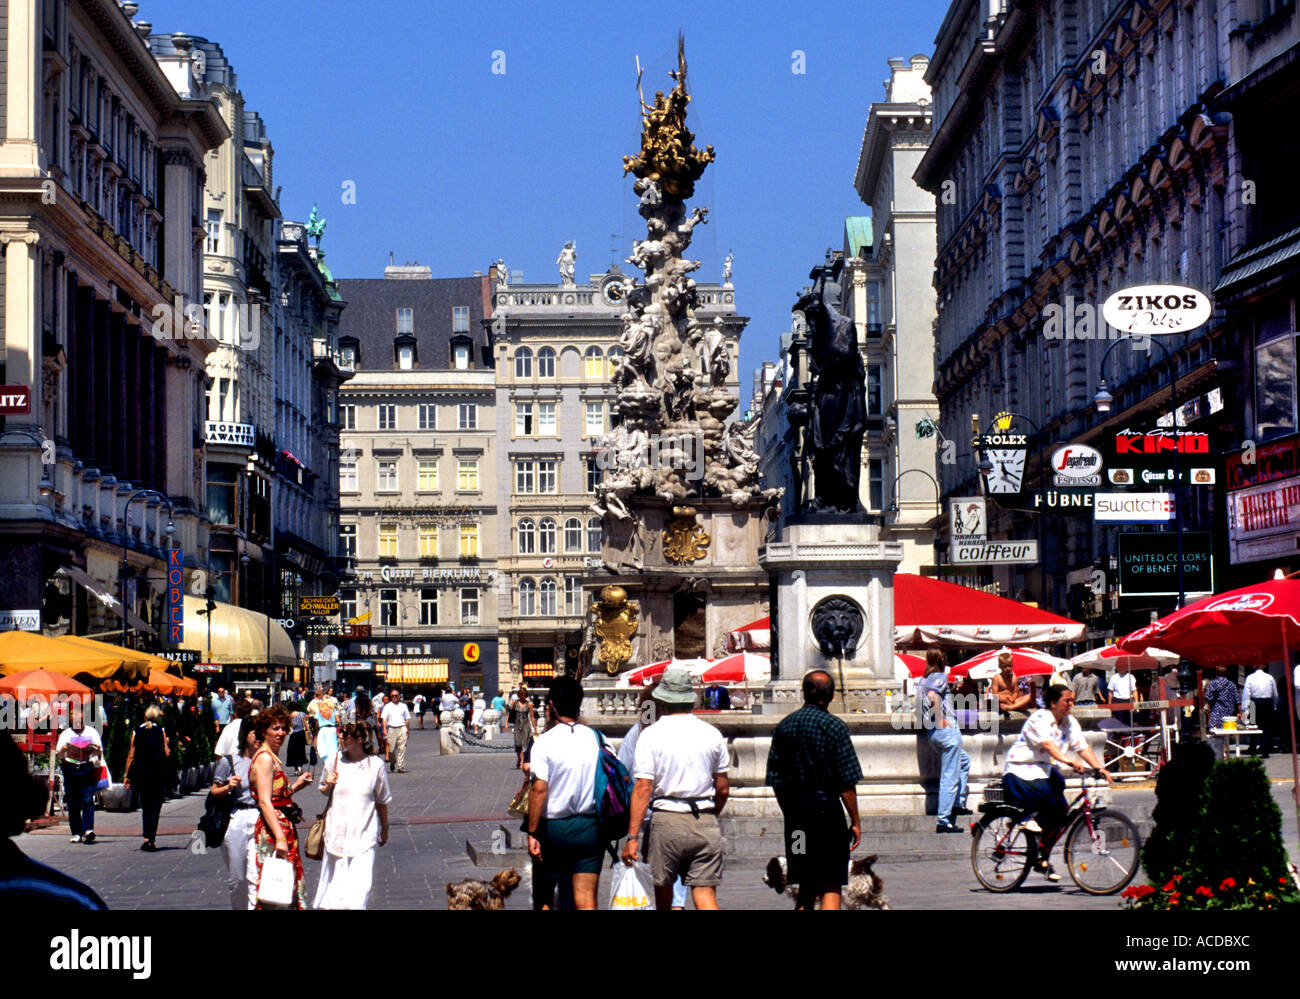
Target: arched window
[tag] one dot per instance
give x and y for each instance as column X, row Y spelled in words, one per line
column 527, row 598
column 545, row 363
column 613, row 353
column 546, row 536
column 594, row 366
column 593, row 535
column 523, row 363
column 527, row 537
column 573, row 535
column 548, row 601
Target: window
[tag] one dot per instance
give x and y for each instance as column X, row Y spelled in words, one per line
column 348, row 417
column 523, row 363
column 876, row 484
column 387, row 482
column 347, row 605
column 593, row 473
column 405, row 322
column 349, row 357
column 222, row 507
column 213, row 244
column 406, row 357
column 527, row 598
column 460, row 356
column 546, row 536
column 469, row 540
column 469, row 606
column 388, row 541
column 874, row 400
column 547, row 476
column 460, row 319
column 348, row 540
column 387, row 417
column 594, row 363
column 546, row 419
column 348, row 476
column 595, row 424
column 873, row 303
column 1275, row 374
column 467, row 475
column 524, row 477
column 593, row 535
column 572, row 596
column 388, row 608
column 428, row 606
column 428, row 541
column 547, row 591
column 526, row 538
column 573, row 535
column 428, row 416
column 546, row 363
column 467, row 416
column 523, row 419
column 428, row 475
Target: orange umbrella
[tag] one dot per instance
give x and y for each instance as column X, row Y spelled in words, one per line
column 21, row 651
column 40, row 681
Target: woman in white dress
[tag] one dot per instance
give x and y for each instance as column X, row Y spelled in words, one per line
column 357, row 822
column 476, row 721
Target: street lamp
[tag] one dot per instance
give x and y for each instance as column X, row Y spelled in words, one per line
column 169, row 530
column 893, row 490
column 1103, row 399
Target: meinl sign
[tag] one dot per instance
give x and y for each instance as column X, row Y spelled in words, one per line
column 1148, row 563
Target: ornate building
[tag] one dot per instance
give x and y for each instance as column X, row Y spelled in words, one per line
column 101, row 180
column 419, row 480
column 1075, row 153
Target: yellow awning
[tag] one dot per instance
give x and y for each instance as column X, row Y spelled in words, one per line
column 238, row 635
column 27, row 650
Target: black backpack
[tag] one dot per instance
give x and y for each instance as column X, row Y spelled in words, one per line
column 216, row 817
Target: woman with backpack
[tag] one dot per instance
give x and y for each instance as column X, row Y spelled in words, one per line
column 147, row 768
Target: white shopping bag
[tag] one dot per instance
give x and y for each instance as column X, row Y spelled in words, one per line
column 633, row 888
column 276, row 884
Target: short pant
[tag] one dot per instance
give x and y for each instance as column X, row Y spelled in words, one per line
column 687, row 846
column 572, row 845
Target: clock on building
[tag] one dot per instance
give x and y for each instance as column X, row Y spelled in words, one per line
column 1008, row 470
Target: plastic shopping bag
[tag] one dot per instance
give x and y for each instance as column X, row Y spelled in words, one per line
column 103, row 780
column 275, row 887
column 633, row 887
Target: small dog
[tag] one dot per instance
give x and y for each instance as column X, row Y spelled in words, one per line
column 474, row 894
column 866, row 889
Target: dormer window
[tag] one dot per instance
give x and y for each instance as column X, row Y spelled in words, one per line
column 461, row 352
column 405, row 321
column 349, row 351
column 404, row 352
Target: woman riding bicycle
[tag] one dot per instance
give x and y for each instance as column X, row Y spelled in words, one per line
column 1031, row 780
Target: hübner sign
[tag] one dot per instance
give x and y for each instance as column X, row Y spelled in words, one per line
column 981, row 552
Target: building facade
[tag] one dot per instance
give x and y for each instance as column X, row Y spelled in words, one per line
column 101, row 180
column 419, row 480
column 1076, row 153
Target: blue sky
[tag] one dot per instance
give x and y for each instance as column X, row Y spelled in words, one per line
column 455, row 165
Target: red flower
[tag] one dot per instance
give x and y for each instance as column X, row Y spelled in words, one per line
column 1227, row 883
column 1281, row 881
column 1137, row 891
column 1178, row 877
column 1170, row 886
column 1204, row 892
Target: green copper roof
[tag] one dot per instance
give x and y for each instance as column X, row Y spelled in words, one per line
column 857, row 233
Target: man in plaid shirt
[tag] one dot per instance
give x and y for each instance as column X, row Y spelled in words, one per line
column 814, row 771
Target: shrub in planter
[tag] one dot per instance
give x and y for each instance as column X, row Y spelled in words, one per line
column 1180, row 796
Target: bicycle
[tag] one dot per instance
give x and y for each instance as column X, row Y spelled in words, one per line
column 1102, row 846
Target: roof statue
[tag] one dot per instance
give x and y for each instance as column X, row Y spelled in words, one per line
column 315, row 226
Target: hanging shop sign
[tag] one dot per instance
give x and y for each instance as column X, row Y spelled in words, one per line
column 207, row 667
column 1157, row 309
column 20, row 620
column 1148, row 563
column 1133, row 508
column 1076, row 465
column 1262, row 463
column 968, row 517
column 15, row 400
column 1008, row 472
column 471, row 652
column 175, row 606
column 980, row 551
column 1264, row 521
column 1138, row 444
column 186, row 657
column 318, row 606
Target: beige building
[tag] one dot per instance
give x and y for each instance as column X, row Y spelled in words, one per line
column 101, row 178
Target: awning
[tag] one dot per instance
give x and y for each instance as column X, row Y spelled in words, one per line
column 130, row 655
column 97, row 590
column 238, row 635
column 426, row 671
column 540, row 669
column 26, row 650
column 930, row 612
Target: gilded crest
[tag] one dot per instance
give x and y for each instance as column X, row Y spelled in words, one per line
column 684, row 539
column 615, row 624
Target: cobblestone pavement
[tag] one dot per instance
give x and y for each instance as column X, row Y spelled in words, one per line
column 447, row 802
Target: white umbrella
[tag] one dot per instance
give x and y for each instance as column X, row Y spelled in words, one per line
column 1110, row 656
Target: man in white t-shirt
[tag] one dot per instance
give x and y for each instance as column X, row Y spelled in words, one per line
column 419, row 708
column 1031, row 779
column 396, row 717
column 680, row 768
column 563, row 828
column 1258, row 697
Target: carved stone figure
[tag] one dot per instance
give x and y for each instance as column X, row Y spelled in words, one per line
column 616, row 624
column 839, row 412
column 503, row 276
column 837, row 626
column 716, row 354
column 567, row 259
column 726, row 267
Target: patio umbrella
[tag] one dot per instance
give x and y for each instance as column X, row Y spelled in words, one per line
column 743, row 667
column 130, row 655
column 1112, row 656
column 1024, row 662
column 753, row 637
column 930, row 612
column 25, row 650
column 906, row 664
column 39, row 681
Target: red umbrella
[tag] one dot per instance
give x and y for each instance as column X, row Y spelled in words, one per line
column 753, row 637
column 743, row 667
column 1024, row 662
column 39, row 681
column 931, row 612
column 906, row 665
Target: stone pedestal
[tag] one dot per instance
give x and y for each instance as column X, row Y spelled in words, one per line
column 825, row 561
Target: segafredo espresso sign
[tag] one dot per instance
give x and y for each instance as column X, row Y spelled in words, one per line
column 1157, row 309
column 1076, row 465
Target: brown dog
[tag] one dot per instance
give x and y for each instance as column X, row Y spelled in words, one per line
column 866, row 889
column 474, row 894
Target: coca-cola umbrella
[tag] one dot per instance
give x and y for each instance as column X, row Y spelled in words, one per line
column 1024, row 662
column 648, row 674
column 906, row 664
column 743, row 667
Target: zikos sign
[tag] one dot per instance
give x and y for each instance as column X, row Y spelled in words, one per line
column 1157, row 309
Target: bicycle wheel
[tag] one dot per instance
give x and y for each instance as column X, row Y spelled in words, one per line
column 1104, row 859
column 1002, row 853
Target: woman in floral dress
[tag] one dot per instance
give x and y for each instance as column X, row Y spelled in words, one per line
column 275, row 833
